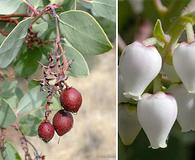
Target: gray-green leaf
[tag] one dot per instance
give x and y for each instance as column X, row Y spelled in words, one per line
column 83, row 32
column 7, row 116
column 35, row 3
column 10, row 153
column 13, row 42
column 106, row 9
column 9, row 6
column 79, row 66
column 30, row 101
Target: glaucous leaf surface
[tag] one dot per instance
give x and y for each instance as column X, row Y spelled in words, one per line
column 10, row 153
column 7, row 116
column 83, row 32
column 13, row 43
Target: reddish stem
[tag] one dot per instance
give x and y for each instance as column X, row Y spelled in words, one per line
column 9, row 20
column 14, row 15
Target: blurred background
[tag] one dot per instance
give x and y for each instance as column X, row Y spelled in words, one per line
column 136, row 21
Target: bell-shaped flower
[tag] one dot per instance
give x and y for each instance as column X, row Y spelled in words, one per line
column 139, row 65
column 186, row 107
column 129, row 126
column 184, row 63
column 157, row 114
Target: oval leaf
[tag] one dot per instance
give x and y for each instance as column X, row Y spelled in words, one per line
column 7, row 116
column 79, row 66
column 10, row 153
column 30, row 101
column 13, row 42
column 83, row 32
column 9, row 6
column 106, row 9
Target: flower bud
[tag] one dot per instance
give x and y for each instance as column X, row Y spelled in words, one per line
column 139, row 65
column 157, row 114
column 129, row 126
column 183, row 61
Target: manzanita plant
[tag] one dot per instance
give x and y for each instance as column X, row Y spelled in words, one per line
column 157, row 75
column 43, row 43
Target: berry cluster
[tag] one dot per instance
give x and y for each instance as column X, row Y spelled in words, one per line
column 71, row 101
column 54, row 82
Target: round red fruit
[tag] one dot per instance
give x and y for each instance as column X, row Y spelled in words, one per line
column 62, row 122
column 46, row 131
column 71, row 99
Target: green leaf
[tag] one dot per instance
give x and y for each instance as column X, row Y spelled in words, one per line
column 158, row 31
column 60, row 2
column 7, row 116
column 35, row 3
column 40, row 28
column 7, row 88
column 29, row 124
column 106, row 9
column 13, row 42
column 69, row 5
column 12, row 101
column 30, row 101
column 108, row 26
column 79, row 66
column 10, row 153
column 83, row 32
column 9, row 6
column 33, row 83
column 27, row 63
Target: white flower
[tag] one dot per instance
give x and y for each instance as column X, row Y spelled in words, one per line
column 129, row 126
column 184, row 63
column 186, row 107
column 138, row 66
column 157, row 114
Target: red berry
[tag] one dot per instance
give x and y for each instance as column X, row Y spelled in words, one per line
column 62, row 122
column 71, row 99
column 46, row 131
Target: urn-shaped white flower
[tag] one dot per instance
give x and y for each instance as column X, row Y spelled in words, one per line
column 139, row 65
column 129, row 126
column 184, row 63
column 186, row 107
column 157, row 114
